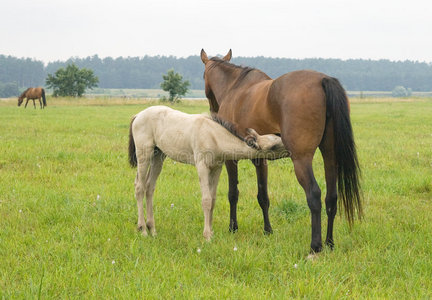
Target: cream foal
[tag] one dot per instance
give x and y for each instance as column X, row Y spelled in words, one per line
column 159, row 131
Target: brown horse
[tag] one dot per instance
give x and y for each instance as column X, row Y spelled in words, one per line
column 33, row 94
column 309, row 110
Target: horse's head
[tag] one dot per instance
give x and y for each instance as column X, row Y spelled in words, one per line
column 270, row 145
column 20, row 100
column 209, row 79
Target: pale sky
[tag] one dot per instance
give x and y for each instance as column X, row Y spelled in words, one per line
column 52, row 30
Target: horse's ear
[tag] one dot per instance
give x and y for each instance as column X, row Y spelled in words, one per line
column 228, row 56
column 204, row 57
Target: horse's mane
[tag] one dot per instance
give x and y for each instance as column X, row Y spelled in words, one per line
column 244, row 70
column 23, row 93
column 228, row 126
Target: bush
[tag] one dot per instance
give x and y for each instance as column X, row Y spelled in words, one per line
column 173, row 84
column 400, row 91
column 71, row 81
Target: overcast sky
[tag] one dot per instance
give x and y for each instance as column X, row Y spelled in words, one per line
column 52, row 30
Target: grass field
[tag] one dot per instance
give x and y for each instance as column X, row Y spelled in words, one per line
column 68, row 214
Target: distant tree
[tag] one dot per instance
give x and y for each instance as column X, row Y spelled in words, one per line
column 8, row 90
column 173, row 84
column 400, row 91
column 71, row 81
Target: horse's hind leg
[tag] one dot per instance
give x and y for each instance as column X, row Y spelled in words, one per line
column 327, row 151
column 34, row 103
column 40, row 103
column 263, row 199
column 155, row 170
column 143, row 158
column 306, row 178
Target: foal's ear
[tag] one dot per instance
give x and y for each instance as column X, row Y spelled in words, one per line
column 251, row 138
column 204, row 57
column 228, row 56
column 252, row 132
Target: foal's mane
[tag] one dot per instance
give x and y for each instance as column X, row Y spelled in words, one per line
column 228, row 126
column 243, row 73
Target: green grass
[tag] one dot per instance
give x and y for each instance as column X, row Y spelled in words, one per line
column 68, row 214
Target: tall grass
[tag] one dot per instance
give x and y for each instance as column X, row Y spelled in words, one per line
column 68, row 215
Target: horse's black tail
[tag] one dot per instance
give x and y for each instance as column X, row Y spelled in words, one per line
column 132, row 152
column 43, row 98
column 348, row 169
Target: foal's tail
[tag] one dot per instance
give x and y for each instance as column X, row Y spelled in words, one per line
column 132, row 152
column 43, row 97
column 348, row 169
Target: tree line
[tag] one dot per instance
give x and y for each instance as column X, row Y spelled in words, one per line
column 146, row 72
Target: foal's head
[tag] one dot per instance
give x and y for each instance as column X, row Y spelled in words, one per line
column 270, row 145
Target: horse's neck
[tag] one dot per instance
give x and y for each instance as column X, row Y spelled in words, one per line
column 233, row 83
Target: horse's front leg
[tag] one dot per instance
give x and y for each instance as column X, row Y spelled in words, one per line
column 233, row 192
column 25, row 106
column 263, row 199
column 34, row 103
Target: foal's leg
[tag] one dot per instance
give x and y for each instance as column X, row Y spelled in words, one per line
column 143, row 157
column 233, row 192
column 306, row 178
column 213, row 184
column 206, row 200
column 263, row 199
column 155, row 169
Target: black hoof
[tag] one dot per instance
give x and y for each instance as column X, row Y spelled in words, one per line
column 330, row 244
column 140, row 228
column 233, row 230
column 268, row 231
column 233, row 227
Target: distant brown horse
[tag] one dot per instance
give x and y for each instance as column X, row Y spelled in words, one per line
column 310, row 110
column 33, row 94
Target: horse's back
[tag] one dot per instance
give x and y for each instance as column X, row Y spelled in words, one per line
column 33, row 92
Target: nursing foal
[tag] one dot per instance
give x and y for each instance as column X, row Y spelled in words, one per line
column 159, row 131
